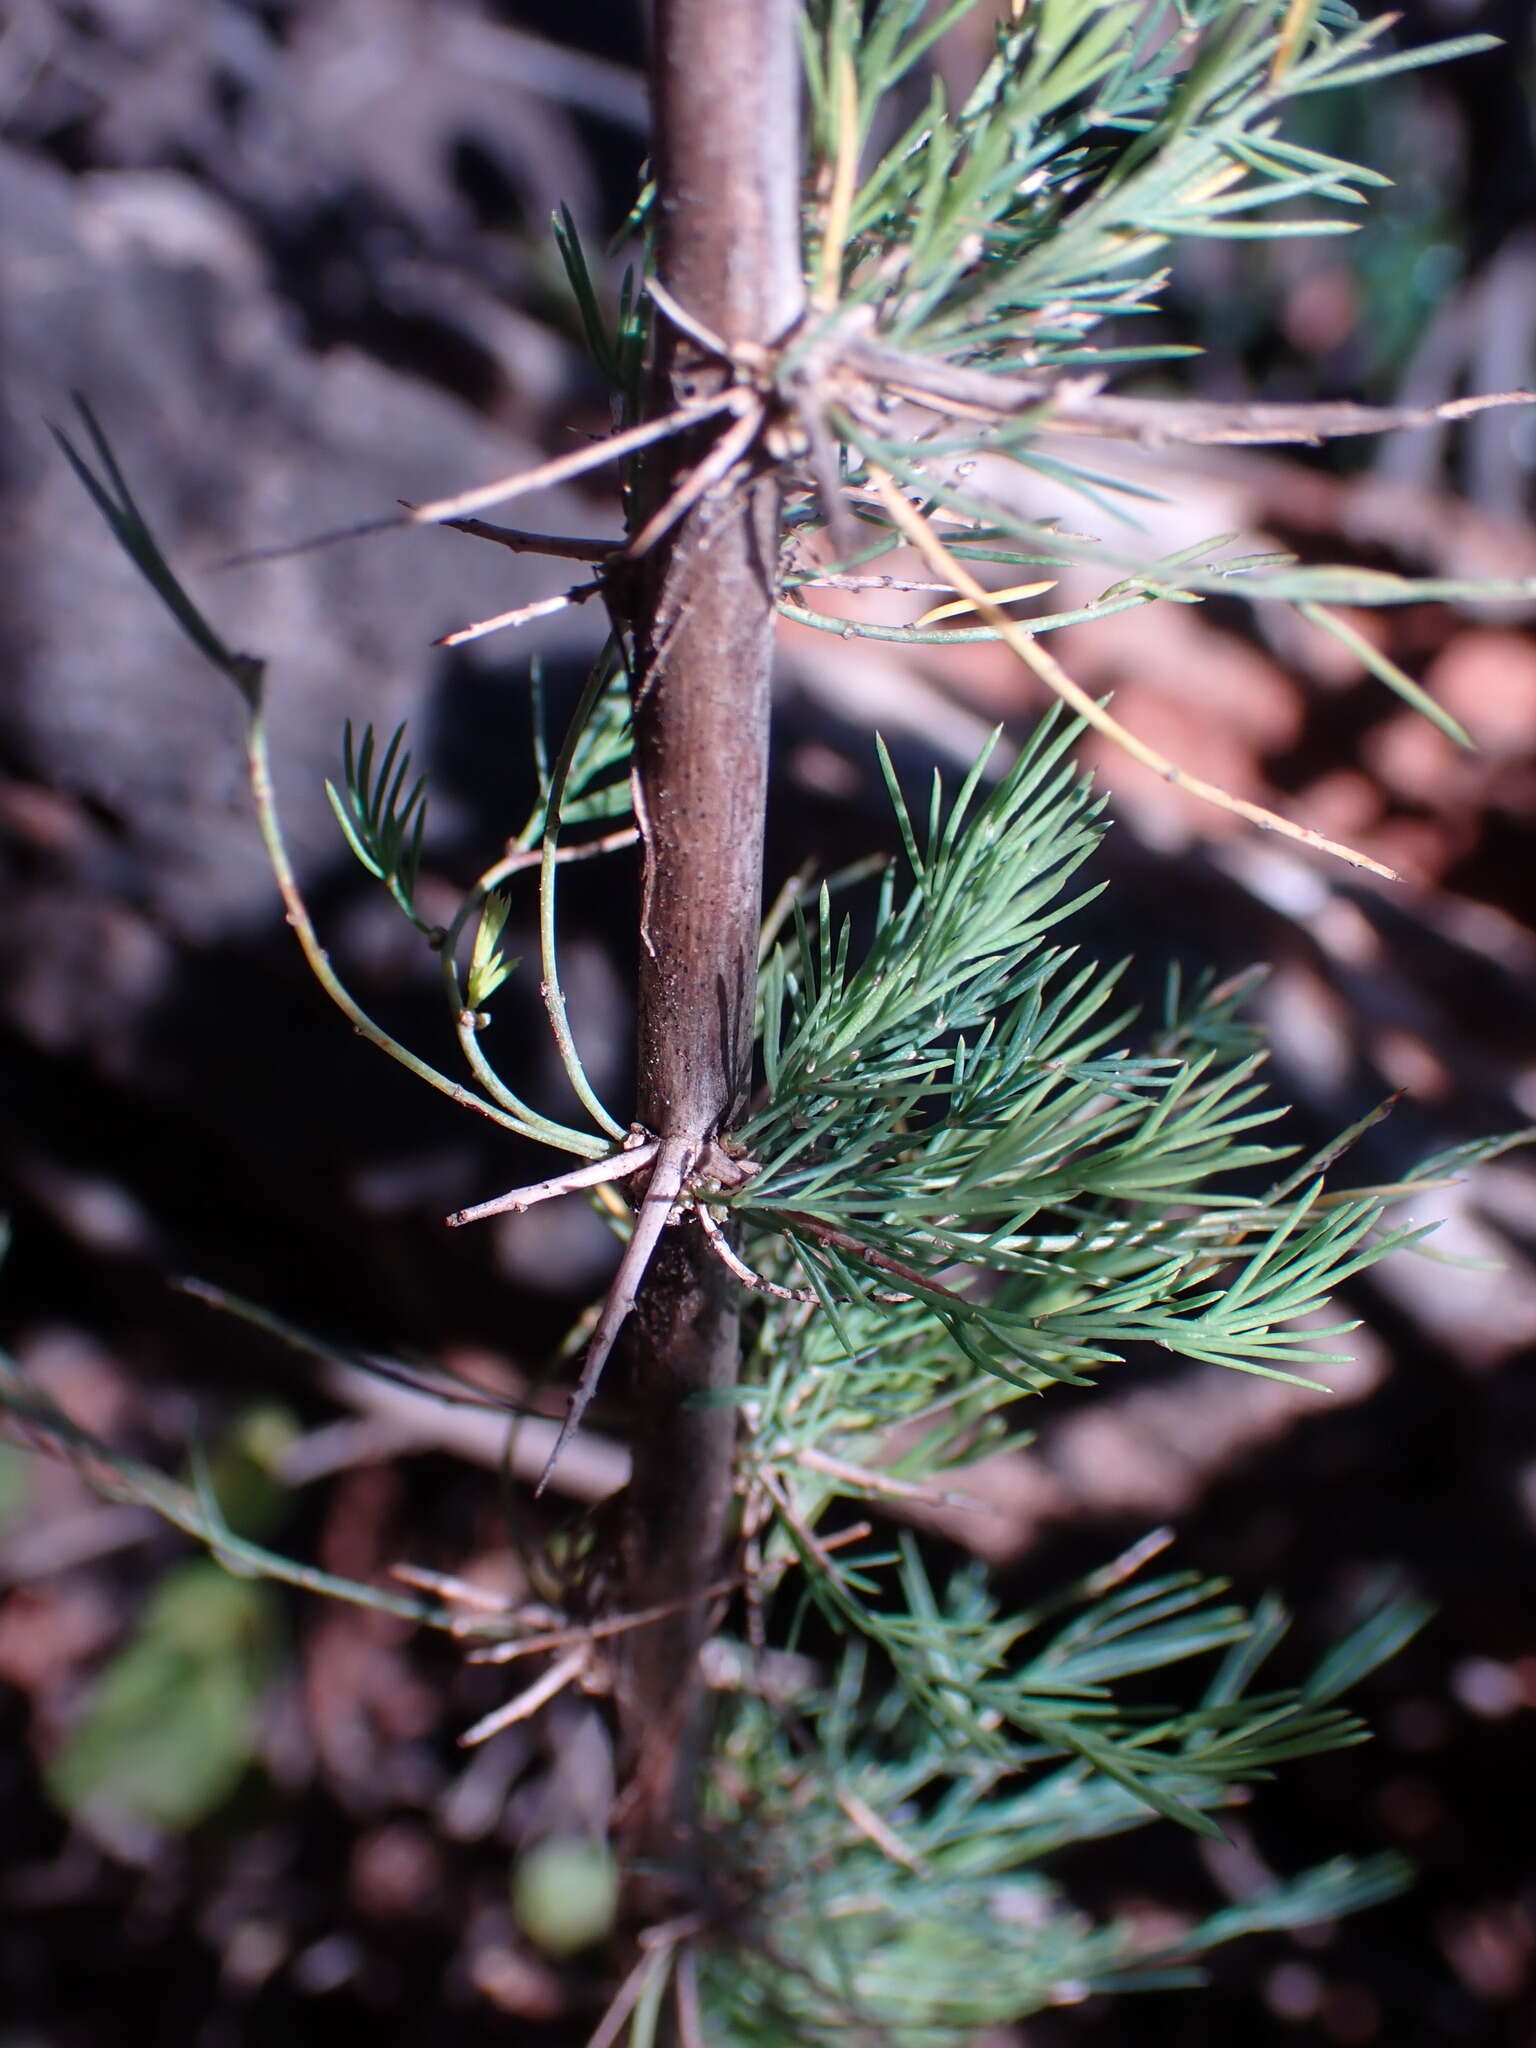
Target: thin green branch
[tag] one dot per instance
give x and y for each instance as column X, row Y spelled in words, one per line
column 297, row 911
column 549, row 987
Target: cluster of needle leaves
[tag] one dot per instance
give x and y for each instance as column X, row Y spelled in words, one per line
column 901, row 1870
column 978, row 1184
column 961, row 1118
column 1101, row 131
column 963, row 278
column 969, row 1172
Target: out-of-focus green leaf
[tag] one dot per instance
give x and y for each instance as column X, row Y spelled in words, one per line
column 169, row 1730
column 565, row 1895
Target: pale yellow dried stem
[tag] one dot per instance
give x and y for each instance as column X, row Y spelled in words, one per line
column 874, row 1829
column 1299, row 17
column 916, row 529
column 829, row 268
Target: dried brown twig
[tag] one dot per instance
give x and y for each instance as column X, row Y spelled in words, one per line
column 617, row 1166
column 1079, row 405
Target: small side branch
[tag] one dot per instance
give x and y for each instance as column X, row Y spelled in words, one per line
column 597, row 1173
column 1077, row 405
column 713, row 471
column 844, row 1241
column 589, row 1632
column 674, row 1161
column 521, row 615
column 567, row 547
column 528, row 1702
column 563, row 468
column 738, row 1268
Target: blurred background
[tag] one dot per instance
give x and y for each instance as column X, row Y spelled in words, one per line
column 298, row 258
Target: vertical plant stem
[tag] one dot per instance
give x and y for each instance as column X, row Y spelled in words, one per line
column 727, row 157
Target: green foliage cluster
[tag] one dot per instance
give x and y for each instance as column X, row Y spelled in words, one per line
column 1101, row 131
column 902, row 1871
column 170, row 1729
column 957, row 1102
column 986, row 1186
column 1002, row 235
column 961, row 1105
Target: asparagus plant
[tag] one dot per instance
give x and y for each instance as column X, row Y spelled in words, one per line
column 874, row 1191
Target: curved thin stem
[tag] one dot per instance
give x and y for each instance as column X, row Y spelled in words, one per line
column 549, row 987
column 737, row 1266
column 564, row 1136
column 260, row 769
column 958, row 636
column 517, row 860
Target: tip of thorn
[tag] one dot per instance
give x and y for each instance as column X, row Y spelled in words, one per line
column 553, row 1460
column 282, row 550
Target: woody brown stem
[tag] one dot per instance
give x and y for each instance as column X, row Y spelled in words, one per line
column 700, row 609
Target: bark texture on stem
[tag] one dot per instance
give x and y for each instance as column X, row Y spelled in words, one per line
column 726, row 98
